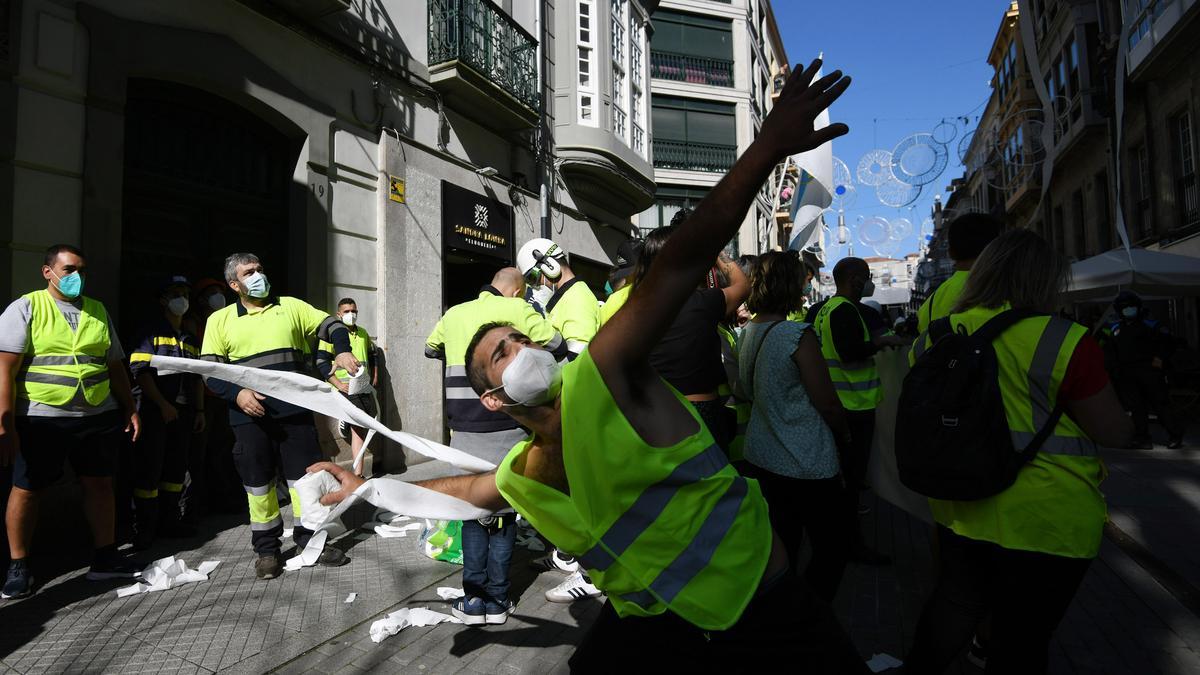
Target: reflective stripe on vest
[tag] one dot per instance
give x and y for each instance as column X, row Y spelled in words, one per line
column 658, row 528
column 856, row 382
column 60, row 361
column 1055, row 505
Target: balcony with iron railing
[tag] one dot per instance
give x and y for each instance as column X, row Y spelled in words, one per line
column 478, row 57
column 710, row 157
column 691, row 69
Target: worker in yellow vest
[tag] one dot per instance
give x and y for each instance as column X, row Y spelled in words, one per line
column 849, row 348
column 1021, row 554
column 64, row 395
column 488, row 435
column 620, row 472
column 570, row 305
column 967, row 236
column 272, row 332
column 621, row 280
column 364, row 351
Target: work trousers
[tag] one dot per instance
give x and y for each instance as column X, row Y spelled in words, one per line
column 1026, row 593
column 856, row 456
column 160, row 466
column 265, row 448
column 787, row 625
column 1143, row 389
column 818, row 508
column 487, row 553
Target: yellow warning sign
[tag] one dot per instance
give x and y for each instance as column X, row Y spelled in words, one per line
column 396, row 192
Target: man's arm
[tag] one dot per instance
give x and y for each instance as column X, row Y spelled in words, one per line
column 654, row 302
column 118, row 382
column 846, row 327
column 477, row 489
column 435, row 344
column 540, row 330
column 9, row 443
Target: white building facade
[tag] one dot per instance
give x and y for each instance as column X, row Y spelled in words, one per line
column 714, row 68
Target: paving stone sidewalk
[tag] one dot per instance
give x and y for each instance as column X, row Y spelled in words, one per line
column 1123, row 620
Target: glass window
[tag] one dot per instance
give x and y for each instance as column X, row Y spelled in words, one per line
column 692, row 35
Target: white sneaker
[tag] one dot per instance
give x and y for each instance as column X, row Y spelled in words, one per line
column 576, row 587
column 556, row 561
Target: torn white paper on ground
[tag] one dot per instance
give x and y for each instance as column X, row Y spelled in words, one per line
column 318, row 396
column 350, row 598
column 881, row 662
column 393, row 531
column 312, row 551
column 448, row 593
column 399, row 620
column 167, row 573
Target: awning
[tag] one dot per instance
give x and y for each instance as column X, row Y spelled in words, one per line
column 1149, row 273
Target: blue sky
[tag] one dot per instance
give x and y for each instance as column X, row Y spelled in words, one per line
column 913, row 64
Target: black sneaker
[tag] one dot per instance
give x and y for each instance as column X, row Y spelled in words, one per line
column 470, row 611
column 977, row 654
column 113, row 566
column 1175, row 443
column 19, row 583
column 332, row 557
column 496, row 613
column 268, row 566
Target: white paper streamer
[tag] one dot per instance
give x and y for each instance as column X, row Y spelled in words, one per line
column 167, row 573
column 399, row 620
column 449, row 593
column 394, row 531
column 350, row 598
column 318, row 396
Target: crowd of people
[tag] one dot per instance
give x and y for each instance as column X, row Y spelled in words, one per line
column 677, row 444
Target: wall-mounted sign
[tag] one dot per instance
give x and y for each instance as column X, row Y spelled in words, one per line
column 396, row 189
column 476, row 223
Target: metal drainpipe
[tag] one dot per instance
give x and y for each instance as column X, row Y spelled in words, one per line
column 543, row 166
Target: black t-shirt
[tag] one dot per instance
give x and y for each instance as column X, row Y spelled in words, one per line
column 689, row 355
column 846, row 322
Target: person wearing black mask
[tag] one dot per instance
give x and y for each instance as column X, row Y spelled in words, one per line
column 1136, row 350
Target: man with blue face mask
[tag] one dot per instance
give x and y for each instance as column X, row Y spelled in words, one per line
column 64, row 394
column 620, row 472
column 264, row 330
column 1136, row 350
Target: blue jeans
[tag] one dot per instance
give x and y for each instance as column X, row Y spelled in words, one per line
column 487, row 552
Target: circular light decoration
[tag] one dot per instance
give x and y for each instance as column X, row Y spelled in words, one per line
column 887, row 249
column 875, row 168
column 964, row 145
column 874, row 231
column 896, row 194
column 927, row 227
column 1030, row 151
column 902, row 228
column 944, row 132
column 919, row 160
column 844, row 193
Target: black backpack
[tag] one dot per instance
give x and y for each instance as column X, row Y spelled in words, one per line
column 952, row 436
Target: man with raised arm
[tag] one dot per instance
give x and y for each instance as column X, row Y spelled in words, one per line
column 620, row 472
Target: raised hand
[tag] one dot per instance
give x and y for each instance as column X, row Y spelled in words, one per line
column 788, row 128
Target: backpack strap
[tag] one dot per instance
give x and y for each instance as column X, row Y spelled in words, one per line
column 1043, row 433
column 754, row 361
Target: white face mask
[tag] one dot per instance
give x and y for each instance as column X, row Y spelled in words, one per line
column 350, row 318
column 257, row 285
column 178, row 306
column 1129, row 312
column 216, row 301
column 542, row 295
column 532, row 378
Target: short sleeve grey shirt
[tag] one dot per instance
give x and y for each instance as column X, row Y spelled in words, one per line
column 786, row 434
column 14, row 338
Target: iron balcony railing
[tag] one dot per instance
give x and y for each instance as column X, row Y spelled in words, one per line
column 694, row 156
column 478, row 34
column 693, row 69
column 1189, row 200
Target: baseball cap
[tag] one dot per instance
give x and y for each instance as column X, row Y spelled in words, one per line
column 173, row 281
column 627, row 257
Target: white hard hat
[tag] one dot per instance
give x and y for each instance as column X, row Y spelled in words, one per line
column 540, row 256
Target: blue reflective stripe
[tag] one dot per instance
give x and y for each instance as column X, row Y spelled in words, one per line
column 649, row 505
column 865, row 385
column 700, row 551
column 1073, row 446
